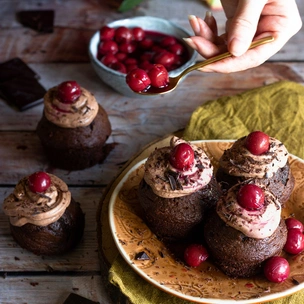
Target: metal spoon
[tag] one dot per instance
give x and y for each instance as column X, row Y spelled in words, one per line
column 174, row 81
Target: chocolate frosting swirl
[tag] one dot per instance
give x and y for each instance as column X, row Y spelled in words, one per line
column 41, row 209
column 70, row 115
column 238, row 161
column 167, row 181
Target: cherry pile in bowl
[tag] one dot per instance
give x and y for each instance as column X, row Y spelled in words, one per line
column 148, row 55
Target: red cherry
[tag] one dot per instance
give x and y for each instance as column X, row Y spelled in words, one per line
column 167, row 41
column 119, row 67
column 146, row 65
column 107, row 46
column 257, row 142
column 138, row 33
column 292, row 223
column 39, row 182
column 295, row 241
column 146, row 43
column 106, row 33
column 68, row 91
column 127, row 47
column 159, row 76
column 164, row 58
column 276, row 269
column 177, row 49
column 123, row 34
column 182, row 156
column 195, row 254
column 138, row 80
column 108, row 59
column 251, row 197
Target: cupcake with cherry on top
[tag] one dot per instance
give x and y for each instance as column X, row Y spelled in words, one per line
column 177, row 190
column 44, row 218
column 74, row 127
column 261, row 159
column 245, row 229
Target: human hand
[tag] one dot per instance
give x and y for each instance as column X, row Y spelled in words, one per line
column 246, row 21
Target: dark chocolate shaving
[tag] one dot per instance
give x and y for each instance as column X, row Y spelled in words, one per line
column 141, row 256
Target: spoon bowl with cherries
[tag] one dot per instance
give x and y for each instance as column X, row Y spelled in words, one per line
column 155, row 82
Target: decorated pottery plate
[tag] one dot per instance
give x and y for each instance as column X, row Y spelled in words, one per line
column 150, row 258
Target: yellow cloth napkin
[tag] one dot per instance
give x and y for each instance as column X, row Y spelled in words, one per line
column 278, row 110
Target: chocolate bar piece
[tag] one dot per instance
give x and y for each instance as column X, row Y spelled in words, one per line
column 74, row 298
column 22, row 92
column 15, row 68
column 39, row 20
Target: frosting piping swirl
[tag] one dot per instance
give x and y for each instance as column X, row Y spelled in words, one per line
column 41, row 209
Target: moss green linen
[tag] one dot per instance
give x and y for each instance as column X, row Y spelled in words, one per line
column 278, row 110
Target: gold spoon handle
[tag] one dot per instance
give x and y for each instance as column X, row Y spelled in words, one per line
column 224, row 55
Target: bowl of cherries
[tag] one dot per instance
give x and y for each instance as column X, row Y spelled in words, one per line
column 121, row 46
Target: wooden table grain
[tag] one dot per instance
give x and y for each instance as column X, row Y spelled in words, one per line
column 63, row 55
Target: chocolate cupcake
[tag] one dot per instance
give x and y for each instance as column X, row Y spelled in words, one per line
column 74, row 127
column 267, row 164
column 239, row 237
column 44, row 218
column 177, row 189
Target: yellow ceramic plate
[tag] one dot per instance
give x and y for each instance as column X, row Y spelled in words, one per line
column 205, row 284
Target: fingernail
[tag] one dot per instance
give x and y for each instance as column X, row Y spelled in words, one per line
column 191, row 17
column 190, row 42
column 208, row 15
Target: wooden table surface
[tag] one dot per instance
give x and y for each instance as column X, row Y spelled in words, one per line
column 62, row 55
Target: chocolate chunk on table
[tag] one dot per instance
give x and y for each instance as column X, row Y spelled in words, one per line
column 39, row 20
column 22, row 92
column 73, row 298
column 15, row 68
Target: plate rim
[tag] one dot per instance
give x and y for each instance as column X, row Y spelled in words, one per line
column 200, row 300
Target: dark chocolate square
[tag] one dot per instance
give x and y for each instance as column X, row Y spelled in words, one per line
column 15, row 68
column 73, row 298
column 39, row 20
column 22, row 92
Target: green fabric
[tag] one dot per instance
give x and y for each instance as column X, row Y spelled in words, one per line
column 278, row 110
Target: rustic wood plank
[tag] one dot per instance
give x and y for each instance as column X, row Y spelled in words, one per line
column 84, row 258
column 74, row 27
column 51, row 289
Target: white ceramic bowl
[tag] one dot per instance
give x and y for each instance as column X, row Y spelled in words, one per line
column 115, row 79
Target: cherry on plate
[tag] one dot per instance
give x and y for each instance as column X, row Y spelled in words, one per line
column 182, row 156
column 257, row 142
column 295, row 241
column 39, row 182
column 195, row 254
column 251, row 197
column 294, row 223
column 68, row 91
column 276, row 269
column 138, row 80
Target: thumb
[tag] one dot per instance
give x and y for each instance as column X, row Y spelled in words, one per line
column 242, row 27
